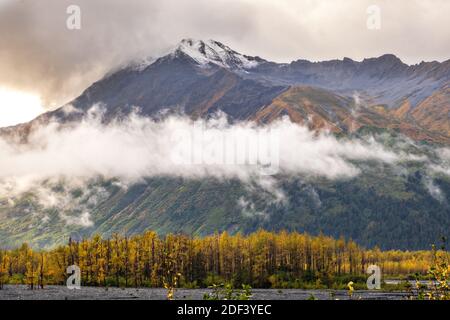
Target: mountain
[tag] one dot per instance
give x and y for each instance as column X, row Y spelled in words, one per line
column 385, row 80
column 385, row 206
column 214, row 52
column 199, row 78
column 376, row 209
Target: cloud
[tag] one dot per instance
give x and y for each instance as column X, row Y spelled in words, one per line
column 40, row 54
column 442, row 163
column 59, row 161
column 137, row 147
column 83, row 220
column 434, row 190
column 248, row 209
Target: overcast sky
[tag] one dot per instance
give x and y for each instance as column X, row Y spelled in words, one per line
column 39, row 54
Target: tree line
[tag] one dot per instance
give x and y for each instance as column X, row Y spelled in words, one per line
column 262, row 259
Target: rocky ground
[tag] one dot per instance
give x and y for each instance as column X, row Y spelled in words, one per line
column 18, row 292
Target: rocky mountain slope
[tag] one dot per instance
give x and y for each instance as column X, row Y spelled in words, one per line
column 386, row 206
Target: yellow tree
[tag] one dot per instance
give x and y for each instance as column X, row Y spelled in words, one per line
column 43, row 270
column 31, row 269
column 4, row 269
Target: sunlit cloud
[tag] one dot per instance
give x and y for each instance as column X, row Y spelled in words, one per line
column 18, row 107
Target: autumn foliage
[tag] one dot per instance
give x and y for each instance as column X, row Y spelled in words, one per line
column 262, row 259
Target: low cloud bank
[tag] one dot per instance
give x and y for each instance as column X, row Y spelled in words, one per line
column 138, row 147
column 134, row 148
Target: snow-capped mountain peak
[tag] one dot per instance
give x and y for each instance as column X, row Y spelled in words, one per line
column 211, row 51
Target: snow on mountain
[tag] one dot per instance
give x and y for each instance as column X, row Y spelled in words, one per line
column 140, row 65
column 214, row 52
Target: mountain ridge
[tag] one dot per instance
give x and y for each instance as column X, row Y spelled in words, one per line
column 183, row 78
column 378, row 97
